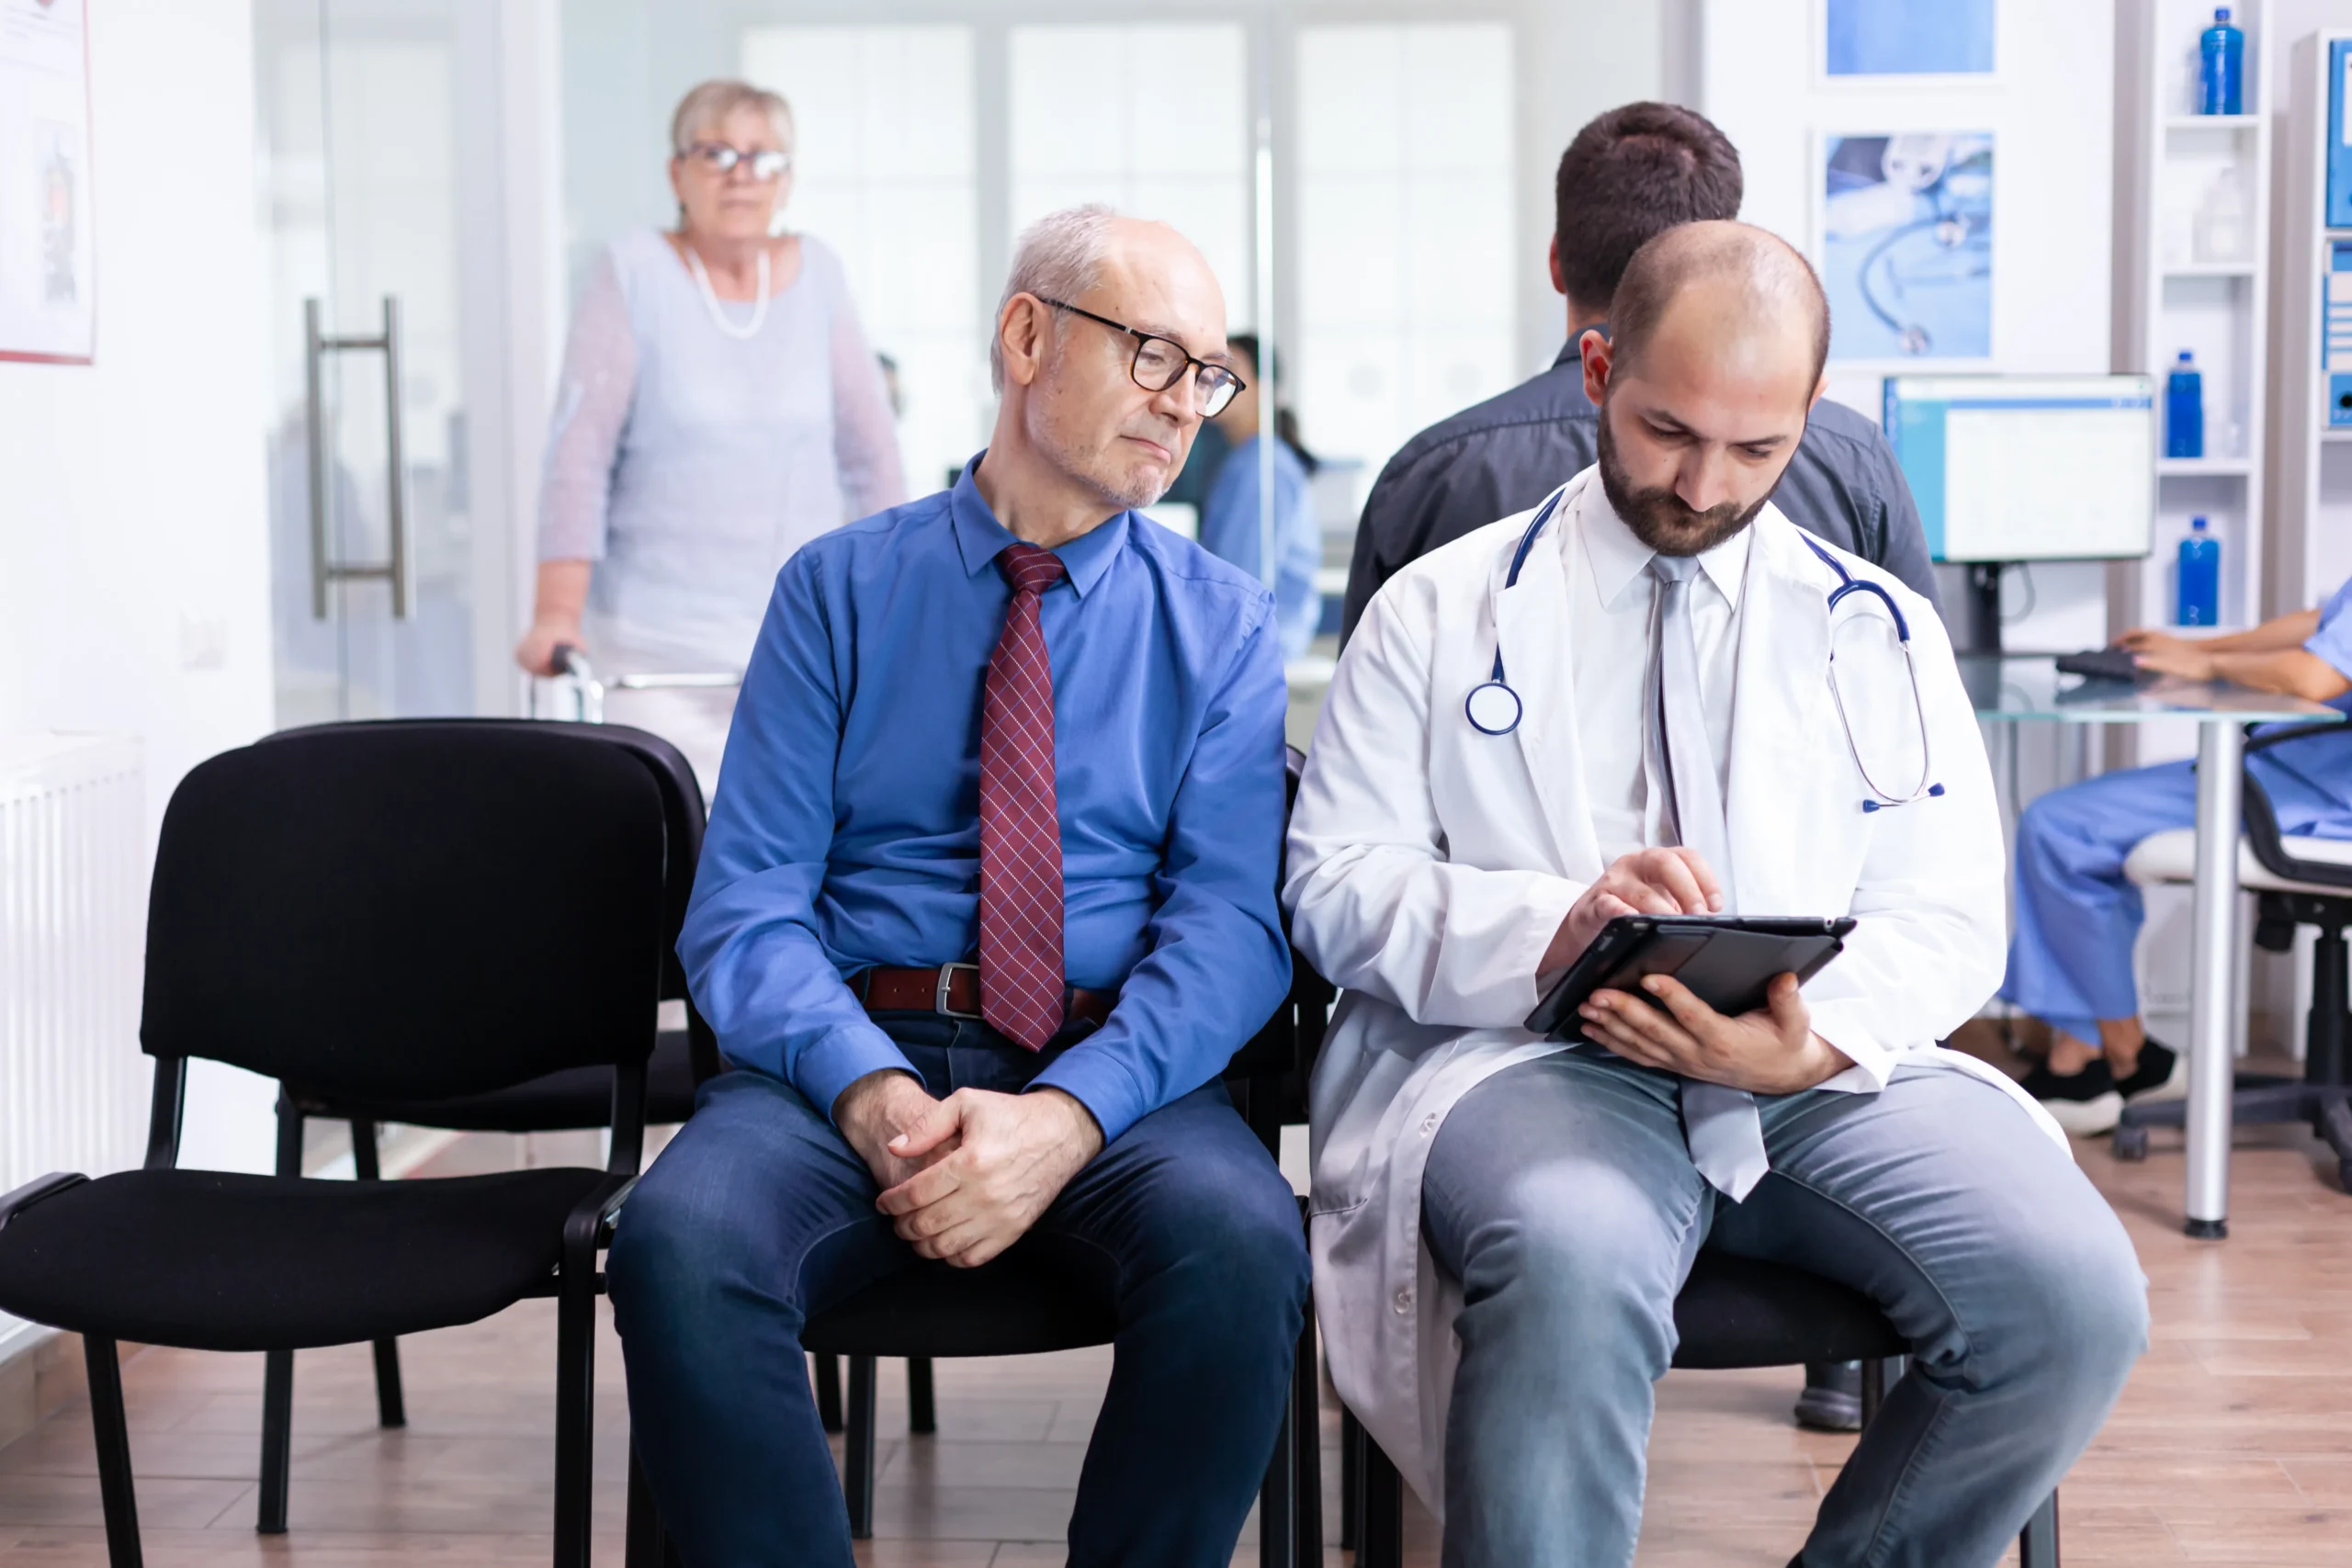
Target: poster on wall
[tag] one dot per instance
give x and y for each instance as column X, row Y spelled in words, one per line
column 1905, row 243
column 1907, row 38
column 48, row 308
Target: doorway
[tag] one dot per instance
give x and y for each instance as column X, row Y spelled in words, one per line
column 377, row 160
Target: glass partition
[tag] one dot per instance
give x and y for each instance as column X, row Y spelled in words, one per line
column 1407, row 262
column 1383, row 263
column 885, row 172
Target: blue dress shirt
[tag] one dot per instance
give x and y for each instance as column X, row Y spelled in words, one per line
column 846, row 832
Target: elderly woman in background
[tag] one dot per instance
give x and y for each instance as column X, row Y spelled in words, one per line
column 719, row 407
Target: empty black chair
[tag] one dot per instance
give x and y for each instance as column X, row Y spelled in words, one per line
column 382, row 913
column 569, row 1100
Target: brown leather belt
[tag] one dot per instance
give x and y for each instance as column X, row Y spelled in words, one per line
column 953, row 991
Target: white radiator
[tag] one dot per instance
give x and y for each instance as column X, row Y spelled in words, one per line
column 73, row 1085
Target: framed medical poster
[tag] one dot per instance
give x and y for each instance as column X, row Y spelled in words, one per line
column 1908, row 39
column 48, row 305
column 1903, row 238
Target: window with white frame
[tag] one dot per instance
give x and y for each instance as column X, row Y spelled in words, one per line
column 884, row 173
column 1407, row 252
column 1084, row 130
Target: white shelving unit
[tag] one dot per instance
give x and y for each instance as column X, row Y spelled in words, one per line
column 2313, row 552
column 2179, row 286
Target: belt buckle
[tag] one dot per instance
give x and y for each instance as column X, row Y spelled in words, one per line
column 939, row 997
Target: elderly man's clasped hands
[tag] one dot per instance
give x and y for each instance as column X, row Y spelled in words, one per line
column 964, row 1177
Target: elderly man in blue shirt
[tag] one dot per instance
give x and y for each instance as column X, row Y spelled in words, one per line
column 986, row 906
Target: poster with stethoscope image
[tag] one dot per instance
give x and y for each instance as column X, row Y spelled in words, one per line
column 1903, row 238
column 47, row 253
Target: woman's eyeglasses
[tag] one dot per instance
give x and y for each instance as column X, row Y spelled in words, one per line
column 1159, row 363
column 766, row 163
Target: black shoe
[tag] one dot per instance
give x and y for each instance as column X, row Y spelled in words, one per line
column 2084, row 1103
column 1832, row 1400
column 2163, row 1074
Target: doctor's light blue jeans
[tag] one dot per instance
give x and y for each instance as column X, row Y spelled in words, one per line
column 1560, row 1195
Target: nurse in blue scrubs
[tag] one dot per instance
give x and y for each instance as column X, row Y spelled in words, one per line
column 1229, row 519
column 2070, row 959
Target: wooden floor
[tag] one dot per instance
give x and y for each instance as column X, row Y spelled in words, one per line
column 2232, row 1446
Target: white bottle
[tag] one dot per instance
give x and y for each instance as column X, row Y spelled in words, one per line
column 2224, row 228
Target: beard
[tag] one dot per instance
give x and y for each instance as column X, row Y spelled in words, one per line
column 1663, row 520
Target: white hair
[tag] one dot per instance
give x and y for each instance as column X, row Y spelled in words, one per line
column 708, row 106
column 1058, row 257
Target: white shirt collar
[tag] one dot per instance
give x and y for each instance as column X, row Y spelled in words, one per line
column 1617, row 558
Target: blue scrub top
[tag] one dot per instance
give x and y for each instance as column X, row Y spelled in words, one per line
column 1230, row 531
column 2310, row 780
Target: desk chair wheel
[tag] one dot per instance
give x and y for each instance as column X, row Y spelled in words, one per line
column 2131, row 1142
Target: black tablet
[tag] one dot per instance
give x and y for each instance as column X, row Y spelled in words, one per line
column 1728, row 961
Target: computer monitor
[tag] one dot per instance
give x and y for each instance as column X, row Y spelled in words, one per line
column 2012, row 468
column 2028, row 468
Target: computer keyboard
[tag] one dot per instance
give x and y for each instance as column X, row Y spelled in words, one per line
column 2104, row 664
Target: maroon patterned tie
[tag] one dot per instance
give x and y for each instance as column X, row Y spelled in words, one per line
column 1021, row 838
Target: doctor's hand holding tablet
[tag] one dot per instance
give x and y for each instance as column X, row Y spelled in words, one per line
column 1763, row 1044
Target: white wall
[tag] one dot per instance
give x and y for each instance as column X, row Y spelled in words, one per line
column 134, row 572
column 2051, row 107
column 1576, row 59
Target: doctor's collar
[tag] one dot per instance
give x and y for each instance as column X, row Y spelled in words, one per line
column 1617, row 558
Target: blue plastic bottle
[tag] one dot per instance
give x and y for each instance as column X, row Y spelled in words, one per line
column 2199, row 586
column 2184, row 410
column 2221, row 77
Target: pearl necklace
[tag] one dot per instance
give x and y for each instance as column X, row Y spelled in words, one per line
column 718, row 317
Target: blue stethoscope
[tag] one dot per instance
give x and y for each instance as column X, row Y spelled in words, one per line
column 1493, row 708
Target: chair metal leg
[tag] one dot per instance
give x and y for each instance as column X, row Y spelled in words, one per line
column 922, row 1415
column 1306, row 1444
column 1278, row 1495
column 391, row 1409
column 117, row 1500
column 857, row 1445
column 829, row 1392
column 1351, row 1480
column 276, row 1440
column 1873, row 1389
column 1381, row 1535
column 575, row 1388
column 2038, row 1542
column 277, row 1366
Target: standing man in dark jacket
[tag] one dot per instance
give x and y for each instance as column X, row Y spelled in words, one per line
column 1632, row 172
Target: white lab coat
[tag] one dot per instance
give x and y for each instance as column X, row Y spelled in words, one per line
column 1431, row 865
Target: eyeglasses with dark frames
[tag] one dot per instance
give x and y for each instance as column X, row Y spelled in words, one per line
column 766, row 163
column 1159, row 363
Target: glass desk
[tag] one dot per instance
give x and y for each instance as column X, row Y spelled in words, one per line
column 2019, row 688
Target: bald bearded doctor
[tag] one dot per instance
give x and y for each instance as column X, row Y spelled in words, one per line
column 1501, row 1221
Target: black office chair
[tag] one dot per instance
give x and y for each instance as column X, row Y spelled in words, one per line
column 2297, row 881
column 1010, row 1308
column 382, row 913
column 571, row 1100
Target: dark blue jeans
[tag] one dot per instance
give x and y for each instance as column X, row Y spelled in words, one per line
column 760, row 1214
